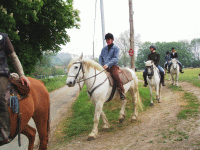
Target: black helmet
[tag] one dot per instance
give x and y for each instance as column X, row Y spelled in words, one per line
column 109, row 36
column 167, row 52
column 152, row 46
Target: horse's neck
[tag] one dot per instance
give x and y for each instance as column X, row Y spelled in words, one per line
column 156, row 72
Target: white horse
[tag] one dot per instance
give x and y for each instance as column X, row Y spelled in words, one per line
column 153, row 79
column 174, row 71
column 94, row 76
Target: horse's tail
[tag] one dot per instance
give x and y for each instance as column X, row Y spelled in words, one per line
column 139, row 102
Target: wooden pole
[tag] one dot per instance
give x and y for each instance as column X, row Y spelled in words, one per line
column 131, row 33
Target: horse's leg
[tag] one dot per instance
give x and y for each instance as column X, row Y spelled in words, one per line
column 105, row 121
column 172, row 77
column 158, row 92
column 98, row 111
column 42, row 120
column 122, row 113
column 30, row 133
column 151, row 94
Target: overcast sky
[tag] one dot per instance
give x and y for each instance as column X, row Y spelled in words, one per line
column 154, row 20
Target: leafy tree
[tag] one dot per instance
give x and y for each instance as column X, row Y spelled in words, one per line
column 183, row 49
column 36, row 26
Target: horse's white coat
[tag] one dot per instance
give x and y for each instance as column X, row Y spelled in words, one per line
column 154, row 81
column 102, row 93
column 174, row 71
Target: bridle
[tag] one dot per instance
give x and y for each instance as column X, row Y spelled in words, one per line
column 152, row 71
column 82, row 80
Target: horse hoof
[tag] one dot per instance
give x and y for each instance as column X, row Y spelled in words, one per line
column 90, row 139
column 151, row 104
column 121, row 120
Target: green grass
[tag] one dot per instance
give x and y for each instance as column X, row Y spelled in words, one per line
column 81, row 120
column 191, row 109
column 54, row 83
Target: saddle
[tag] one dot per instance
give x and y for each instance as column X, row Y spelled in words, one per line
column 124, row 75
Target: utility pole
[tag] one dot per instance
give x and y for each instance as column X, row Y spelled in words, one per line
column 102, row 23
column 131, row 34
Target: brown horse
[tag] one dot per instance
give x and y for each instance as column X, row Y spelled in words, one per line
column 37, row 106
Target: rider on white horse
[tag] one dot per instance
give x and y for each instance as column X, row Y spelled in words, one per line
column 156, row 58
column 167, row 59
column 109, row 60
column 175, row 55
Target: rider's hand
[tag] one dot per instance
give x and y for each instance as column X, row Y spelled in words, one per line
column 25, row 80
column 105, row 66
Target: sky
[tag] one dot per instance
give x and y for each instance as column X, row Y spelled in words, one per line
column 154, row 21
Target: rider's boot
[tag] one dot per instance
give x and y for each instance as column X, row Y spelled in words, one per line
column 169, row 69
column 145, row 81
column 181, row 71
column 163, row 82
column 122, row 94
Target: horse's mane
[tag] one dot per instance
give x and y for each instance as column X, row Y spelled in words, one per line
column 88, row 63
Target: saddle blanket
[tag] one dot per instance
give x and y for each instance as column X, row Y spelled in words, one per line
column 124, row 75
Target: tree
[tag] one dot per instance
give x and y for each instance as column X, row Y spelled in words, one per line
column 123, row 42
column 36, row 26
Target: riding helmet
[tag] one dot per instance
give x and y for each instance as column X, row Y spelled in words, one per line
column 109, row 36
column 152, row 46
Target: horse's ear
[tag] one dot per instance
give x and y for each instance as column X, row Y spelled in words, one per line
column 81, row 56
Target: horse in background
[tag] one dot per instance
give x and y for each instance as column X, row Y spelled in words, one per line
column 174, row 71
column 153, row 80
column 96, row 79
column 37, row 106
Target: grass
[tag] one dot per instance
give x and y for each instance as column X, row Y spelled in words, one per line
column 81, row 120
column 54, row 83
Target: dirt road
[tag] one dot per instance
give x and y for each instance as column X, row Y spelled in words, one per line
column 156, row 128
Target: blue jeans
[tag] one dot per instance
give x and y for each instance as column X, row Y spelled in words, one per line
column 177, row 62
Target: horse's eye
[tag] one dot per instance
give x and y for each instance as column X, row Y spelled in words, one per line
column 76, row 67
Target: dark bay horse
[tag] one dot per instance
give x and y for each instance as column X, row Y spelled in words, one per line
column 36, row 106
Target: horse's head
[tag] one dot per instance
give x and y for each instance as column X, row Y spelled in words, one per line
column 174, row 63
column 149, row 68
column 75, row 71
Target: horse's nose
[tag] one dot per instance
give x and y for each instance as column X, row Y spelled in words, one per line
column 70, row 83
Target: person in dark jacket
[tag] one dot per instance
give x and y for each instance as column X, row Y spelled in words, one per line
column 175, row 55
column 167, row 59
column 109, row 60
column 156, row 58
column 7, row 51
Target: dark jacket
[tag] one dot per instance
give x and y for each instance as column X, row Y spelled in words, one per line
column 155, row 57
column 167, row 57
column 174, row 56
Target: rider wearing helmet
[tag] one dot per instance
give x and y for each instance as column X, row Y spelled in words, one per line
column 156, row 58
column 109, row 60
column 167, row 59
column 175, row 55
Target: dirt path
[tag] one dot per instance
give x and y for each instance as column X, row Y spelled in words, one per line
column 157, row 128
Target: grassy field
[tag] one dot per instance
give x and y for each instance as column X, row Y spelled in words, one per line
column 54, row 83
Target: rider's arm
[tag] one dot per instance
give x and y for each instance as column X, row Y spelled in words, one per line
column 101, row 58
column 158, row 60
